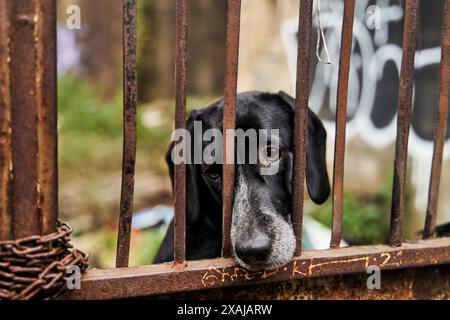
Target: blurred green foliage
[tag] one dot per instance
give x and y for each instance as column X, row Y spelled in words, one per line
column 366, row 218
column 90, row 129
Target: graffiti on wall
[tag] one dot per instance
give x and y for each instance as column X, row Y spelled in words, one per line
column 375, row 71
column 374, row 77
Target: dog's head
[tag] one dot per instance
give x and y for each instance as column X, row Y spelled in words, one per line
column 262, row 233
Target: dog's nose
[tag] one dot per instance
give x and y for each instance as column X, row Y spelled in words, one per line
column 256, row 249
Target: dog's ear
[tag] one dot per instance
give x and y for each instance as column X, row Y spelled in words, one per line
column 316, row 171
column 194, row 181
column 170, row 163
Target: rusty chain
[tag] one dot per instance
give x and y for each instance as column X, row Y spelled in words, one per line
column 35, row 267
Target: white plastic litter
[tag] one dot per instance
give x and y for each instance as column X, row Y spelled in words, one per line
column 152, row 217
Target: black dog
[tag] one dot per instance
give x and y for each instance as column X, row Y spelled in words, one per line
column 262, row 234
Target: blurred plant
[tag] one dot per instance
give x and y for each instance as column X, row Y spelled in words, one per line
column 366, row 218
column 90, row 129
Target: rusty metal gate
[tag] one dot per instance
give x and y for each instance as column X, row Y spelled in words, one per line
column 28, row 154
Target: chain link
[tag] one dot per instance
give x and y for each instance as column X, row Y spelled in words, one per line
column 36, row 267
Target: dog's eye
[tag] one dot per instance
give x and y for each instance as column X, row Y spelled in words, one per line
column 214, row 176
column 270, row 155
column 213, row 173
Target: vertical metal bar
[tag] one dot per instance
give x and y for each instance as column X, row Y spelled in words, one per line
column 301, row 117
column 229, row 119
column 404, row 119
column 341, row 121
column 5, row 125
column 180, row 123
column 129, row 130
column 47, row 115
column 24, row 118
column 441, row 127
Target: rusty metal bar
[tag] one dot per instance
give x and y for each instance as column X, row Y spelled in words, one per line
column 23, row 69
column 404, row 119
column 5, row 125
column 341, row 122
column 180, row 123
column 47, row 115
column 205, row 274
column 129, row 130
column 441, row 127
column 301, row 117
column 229, row 119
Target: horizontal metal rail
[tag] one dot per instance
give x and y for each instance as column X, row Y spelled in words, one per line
column 217, row 273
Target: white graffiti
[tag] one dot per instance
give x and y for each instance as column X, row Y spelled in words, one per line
column 367, row 67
